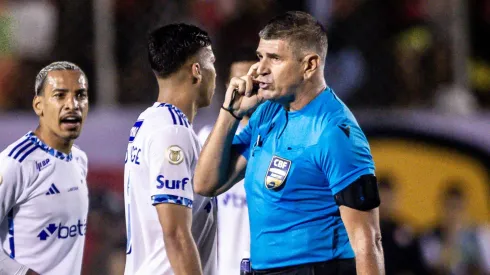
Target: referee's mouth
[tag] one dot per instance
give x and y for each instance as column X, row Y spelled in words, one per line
column 263, row 85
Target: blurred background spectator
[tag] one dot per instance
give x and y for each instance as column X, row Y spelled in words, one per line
column 401, row 245
column 416, row 74
column 453, row 246
column 479, row 30
column 105, row 249
column 8, row 59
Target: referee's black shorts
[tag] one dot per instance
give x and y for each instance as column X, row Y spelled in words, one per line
column 333, row 267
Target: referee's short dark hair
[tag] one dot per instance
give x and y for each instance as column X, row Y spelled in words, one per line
column 300, row 29
column 55, row 66
column 170, row 46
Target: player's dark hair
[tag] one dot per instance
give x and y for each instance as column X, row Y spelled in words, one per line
column 300, row 29
column 170, row 46
column 55, row 66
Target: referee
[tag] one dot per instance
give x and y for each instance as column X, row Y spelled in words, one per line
column 309, row 174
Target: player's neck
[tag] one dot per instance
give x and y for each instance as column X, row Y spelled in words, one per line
column 179, row 97
column 53, row 141
column 305, row 94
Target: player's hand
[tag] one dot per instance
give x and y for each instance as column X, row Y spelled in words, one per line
column 242, row 94
column 31, row 272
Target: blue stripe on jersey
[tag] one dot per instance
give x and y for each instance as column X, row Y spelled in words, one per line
column 28, row 152
column 17, row 146
column 157, row 199
column 180, row 119
column 55, row 153
column 172, row 113
column 23, row 149
column 10, row 219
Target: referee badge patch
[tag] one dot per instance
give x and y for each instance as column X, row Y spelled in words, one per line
column 277, row 172
column 175, row 155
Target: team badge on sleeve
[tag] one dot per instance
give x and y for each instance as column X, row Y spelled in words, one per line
column 134, row 130
column 277, row 172
column 175, row 155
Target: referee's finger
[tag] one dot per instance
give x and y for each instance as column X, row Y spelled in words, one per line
column 248, row 85
column 234, row 84
column 240, row 84
column 253, row 70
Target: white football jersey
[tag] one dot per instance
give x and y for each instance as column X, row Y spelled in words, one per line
column 43, row 206
column 233, row 229
column 159, row 167
column 233, row 223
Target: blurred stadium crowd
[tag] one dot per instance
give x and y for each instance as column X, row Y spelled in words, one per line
column 383, row 54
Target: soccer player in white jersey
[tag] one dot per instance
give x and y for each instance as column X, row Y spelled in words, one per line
column 170, row 229
column 233, row 224
column 43, row 189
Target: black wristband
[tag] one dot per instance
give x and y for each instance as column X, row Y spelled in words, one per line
column 231, row 113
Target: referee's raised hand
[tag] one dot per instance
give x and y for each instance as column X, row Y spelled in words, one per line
column 243, row 94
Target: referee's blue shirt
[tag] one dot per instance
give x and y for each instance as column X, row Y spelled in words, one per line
column 297, row 161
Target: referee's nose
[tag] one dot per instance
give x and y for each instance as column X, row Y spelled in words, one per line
column 262, row 68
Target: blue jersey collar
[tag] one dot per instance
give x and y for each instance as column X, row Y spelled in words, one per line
column 312, row 104
column 55, row 153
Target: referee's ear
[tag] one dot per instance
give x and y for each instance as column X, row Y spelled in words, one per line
column 311, row 63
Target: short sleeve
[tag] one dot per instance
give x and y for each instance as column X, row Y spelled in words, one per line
column 170, row 154
column 344, row 155
column 204, row 133
column 12, row 184
column 242, row 140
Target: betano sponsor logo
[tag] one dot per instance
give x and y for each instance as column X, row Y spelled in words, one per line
column 62, row 231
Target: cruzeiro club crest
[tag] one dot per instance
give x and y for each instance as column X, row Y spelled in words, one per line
column 175, row 154
column 277, row 172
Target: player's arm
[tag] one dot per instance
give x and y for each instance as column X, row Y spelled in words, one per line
column 176, row 222
column 220, row 163
column 170, row 157
column 349, row 168
column 12, row 183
